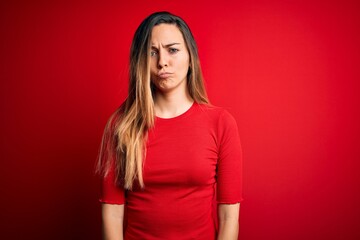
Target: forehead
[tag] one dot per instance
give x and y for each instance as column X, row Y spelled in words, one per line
column 166, row 33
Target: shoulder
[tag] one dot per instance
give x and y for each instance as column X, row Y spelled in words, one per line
column 224, row 126
column 220, row 114
column 222, row 121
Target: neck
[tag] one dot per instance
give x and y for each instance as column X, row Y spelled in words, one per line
column 168, row 105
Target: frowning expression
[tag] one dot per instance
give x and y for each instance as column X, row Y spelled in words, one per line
column 169, row 62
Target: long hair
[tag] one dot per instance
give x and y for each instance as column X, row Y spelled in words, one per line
column 123, row 146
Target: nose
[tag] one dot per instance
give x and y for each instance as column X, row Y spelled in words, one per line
column 162, row 60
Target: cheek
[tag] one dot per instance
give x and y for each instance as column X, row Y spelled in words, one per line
column 184, row 64
column 152, row 65
column 153, row 70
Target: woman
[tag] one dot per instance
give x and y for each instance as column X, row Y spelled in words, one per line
column 166, row 153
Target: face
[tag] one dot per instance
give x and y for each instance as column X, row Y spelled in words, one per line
column 169, row 62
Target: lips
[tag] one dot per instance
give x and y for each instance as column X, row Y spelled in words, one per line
column 164, row 74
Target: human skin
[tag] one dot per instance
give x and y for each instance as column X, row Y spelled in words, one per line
column 169, row 62
column 169, row 65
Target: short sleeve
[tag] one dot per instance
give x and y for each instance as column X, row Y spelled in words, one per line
column 111, row 193
column 229, row 166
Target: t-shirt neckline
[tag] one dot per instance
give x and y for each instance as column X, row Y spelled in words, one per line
column 178, row 117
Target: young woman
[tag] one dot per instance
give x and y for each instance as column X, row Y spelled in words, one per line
column 167, row 155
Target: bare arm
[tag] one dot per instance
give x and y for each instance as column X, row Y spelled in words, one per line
column 228, row 221
column 113, row 218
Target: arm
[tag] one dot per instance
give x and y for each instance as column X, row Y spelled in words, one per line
column 113, row 218
column 228, row 215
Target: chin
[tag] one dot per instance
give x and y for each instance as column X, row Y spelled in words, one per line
column 164, row 83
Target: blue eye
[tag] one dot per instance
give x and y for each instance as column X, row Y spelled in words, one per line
column 173, row 50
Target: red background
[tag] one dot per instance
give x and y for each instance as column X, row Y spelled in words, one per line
column 289, row 73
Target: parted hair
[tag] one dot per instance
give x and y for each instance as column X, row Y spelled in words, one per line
column 123, row 145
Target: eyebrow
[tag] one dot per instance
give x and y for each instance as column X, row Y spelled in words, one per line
column 167, row 45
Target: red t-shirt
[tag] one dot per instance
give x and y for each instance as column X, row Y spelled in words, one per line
column 189, row 159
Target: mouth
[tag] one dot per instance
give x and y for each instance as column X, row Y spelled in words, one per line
column 164, row 74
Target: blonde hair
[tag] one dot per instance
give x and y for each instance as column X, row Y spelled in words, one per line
column 123, row 145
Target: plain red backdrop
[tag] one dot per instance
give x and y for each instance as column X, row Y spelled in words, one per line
column 288, row 72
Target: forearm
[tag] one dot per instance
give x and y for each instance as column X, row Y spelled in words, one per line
column 113, row 218
column 228, row 230
column 228, row 215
